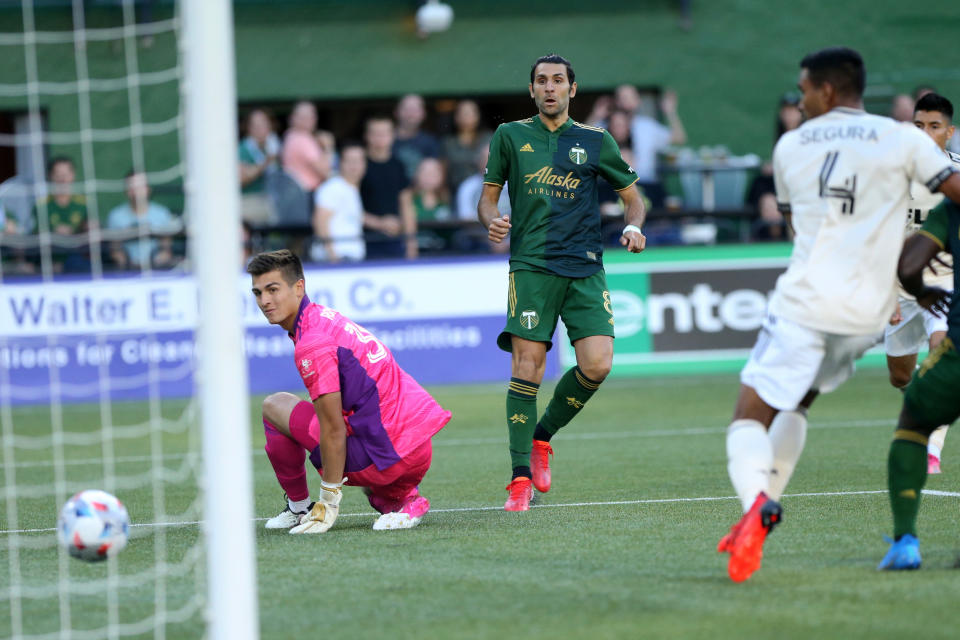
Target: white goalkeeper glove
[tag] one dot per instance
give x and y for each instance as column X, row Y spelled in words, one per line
column 324, row 512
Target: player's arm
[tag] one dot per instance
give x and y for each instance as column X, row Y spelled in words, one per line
column 918, row 251
column 494, row 177
column 951, row 187
column 333, row 436
column 333, row 452
column 497, row 226
column 634, row 215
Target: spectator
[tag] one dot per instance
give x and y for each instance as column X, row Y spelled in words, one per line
column 431, row 202
column 63, row 213
column 147, row 217
column 328, row 143
column 16, row 211
column 618, row 125
column 461, row 148
column 10, row 225
column 258, row 157
column 303, row 157
column 389, row 217
column 650, row 137
column 901, row 107
column 338, row 214
column 468, row 197
column 411, row 144
column 761, row 195
column 600, row 111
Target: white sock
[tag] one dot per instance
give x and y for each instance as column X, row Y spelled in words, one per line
column 788, row 433
column 749, row 459
column 298, row 506
column 935, row 444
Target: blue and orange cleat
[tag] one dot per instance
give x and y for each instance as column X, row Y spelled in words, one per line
column 904, row 554
column 521, row 492
column 744, row 543
column 540, row 465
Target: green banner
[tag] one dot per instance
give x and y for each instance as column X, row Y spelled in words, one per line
column 690, row 310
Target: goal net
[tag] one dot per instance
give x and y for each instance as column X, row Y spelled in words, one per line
column 121, row 335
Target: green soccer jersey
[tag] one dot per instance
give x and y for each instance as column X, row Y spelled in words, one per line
column 73, row 215
column 943, row 226
column 551, row 177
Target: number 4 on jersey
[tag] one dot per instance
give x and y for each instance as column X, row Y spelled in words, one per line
column 846, row 192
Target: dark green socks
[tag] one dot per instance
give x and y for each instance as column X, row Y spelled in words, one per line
column 571, row 393
column 906, row 475
column 521, row 420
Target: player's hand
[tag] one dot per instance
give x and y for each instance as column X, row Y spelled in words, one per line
column 897, row 317
column 935, row 300
column 937, row 259
column 498, row 229
column 634, row 241
column 324, row 512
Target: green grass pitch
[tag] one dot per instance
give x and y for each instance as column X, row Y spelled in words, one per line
column 622, row 547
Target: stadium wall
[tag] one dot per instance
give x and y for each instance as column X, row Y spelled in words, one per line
column 729, row 69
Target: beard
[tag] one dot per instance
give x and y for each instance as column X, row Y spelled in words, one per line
column 551, row 110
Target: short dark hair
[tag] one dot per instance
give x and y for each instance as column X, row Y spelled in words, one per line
column 935, row 102
column 350, row 143
column 840, row 66
column 55, row 160
column 553, row 58
column 284, row 261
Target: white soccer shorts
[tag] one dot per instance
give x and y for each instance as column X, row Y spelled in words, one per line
column 789, row 360
column 912, row 334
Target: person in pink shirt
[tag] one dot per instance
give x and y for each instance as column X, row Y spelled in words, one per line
column 302, row 156
column 369, row 423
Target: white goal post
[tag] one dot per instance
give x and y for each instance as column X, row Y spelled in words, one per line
column 212, row 190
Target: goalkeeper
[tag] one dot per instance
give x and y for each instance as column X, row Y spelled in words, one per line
column 369, row 424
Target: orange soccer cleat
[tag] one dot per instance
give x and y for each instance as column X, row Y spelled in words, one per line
column 540, row 465
column 521, row 492
column 744, row 543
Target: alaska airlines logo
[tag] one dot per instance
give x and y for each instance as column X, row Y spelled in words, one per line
column 547, row 176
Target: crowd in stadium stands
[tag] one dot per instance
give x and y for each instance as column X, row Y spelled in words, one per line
column 403, row 192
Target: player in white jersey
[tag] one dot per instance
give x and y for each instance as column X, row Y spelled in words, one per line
column 912, row 328
column 842, row 179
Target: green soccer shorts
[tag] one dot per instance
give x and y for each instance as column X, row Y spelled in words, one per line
column 536, row 301
column 932, row 397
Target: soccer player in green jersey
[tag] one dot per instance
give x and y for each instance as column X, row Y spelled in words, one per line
column 551, row 165
column 932, row 398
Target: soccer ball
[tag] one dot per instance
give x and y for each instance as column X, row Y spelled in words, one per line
column 93, row 525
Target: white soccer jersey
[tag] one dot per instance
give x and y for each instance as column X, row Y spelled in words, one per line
column 845, row 179
column 921, row 202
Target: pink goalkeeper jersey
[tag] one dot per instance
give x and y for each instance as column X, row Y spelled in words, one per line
column 388, row 413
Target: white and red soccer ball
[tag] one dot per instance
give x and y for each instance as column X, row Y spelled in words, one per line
column 93, row 525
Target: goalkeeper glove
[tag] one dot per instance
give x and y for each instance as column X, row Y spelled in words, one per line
column 324, row 512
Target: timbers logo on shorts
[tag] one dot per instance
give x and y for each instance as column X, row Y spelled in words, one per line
column 529, row 319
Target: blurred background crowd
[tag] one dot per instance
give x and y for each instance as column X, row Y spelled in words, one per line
column 406, row 183
column 344, row 178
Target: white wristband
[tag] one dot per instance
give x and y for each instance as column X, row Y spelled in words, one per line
column 631, row 227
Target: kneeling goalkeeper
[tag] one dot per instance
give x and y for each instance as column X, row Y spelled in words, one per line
column 369, row 424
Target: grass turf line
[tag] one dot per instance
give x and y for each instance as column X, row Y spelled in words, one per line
column 621, row 571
